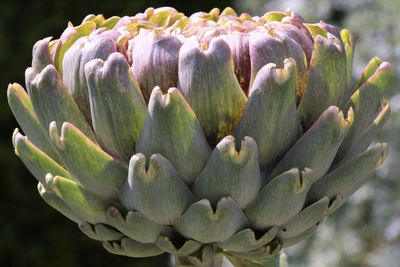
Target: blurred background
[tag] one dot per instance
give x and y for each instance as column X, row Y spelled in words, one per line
column 363, row 233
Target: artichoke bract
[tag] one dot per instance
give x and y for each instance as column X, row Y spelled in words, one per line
column 205, row 136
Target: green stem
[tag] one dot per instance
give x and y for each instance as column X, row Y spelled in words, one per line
column 283, row 260
column 280, row 261
column 185, row 262
column 209, row 256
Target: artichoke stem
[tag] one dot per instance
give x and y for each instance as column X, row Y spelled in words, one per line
column 215, row 262
column 210, row 259
column 283, row 262
column 277, row 261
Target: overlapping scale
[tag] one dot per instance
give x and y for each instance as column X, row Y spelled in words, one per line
column 155, row 61
column 270, row 115
column 21, row 106
column 117, row 107
column 98, row 45
column 172, row 129
column 366, row 101
column 155, row 189
column 326, row 83
column 231, row 172
column 239, row 45
column 209, row 84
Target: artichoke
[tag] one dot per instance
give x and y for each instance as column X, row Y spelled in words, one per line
column 204, row 136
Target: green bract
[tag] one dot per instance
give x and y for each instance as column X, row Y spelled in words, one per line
column 204, row 136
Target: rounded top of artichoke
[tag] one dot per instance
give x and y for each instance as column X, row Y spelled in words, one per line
column 201, row 28
column 161, row 43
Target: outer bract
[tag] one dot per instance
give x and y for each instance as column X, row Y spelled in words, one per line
column 204, row 136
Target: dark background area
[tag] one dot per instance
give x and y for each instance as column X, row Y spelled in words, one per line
column 31, row 232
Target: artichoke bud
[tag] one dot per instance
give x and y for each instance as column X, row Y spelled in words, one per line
column 205, row 136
